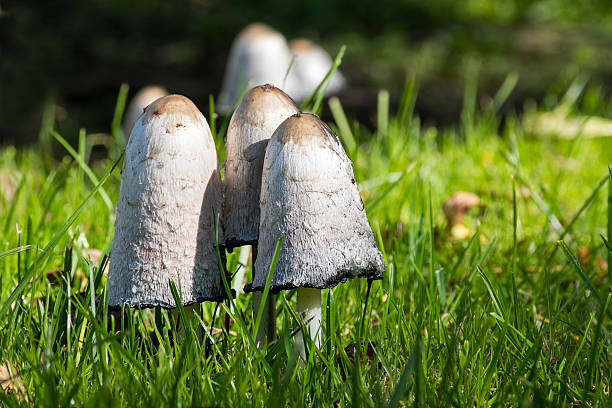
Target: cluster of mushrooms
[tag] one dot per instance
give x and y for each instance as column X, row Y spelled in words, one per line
column 262, row 55
column 259, row 55
column 286, row 175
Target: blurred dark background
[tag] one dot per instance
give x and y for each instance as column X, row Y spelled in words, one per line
column 77, row 53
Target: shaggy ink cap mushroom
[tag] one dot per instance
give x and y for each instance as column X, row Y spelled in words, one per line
column 259, row 55
column 260, row 112
column 309, row 197
column 169, row 197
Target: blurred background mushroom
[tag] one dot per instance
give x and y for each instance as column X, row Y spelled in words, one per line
column 455, row 208
column 137, row 105
column 310, row 65
column 310, row 198
column 259, row 55
column 449, row 47
column 169, row 196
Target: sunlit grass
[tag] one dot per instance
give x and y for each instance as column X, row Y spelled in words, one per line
column 514, row 312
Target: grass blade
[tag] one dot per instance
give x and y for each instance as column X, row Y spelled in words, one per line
column 574, row 261
column 11, row 211
column 212, row 117
column 411, row 367
column 15, row 250
column 116, row 129
column 504, row 91
column 319, row 91
column 237, row 316
column 266, row 291
column 406, row 108
column 593, row 359
column 609, row 222
column 83, row 166
column 343, row 125
column 53, row 242
column 383, row 113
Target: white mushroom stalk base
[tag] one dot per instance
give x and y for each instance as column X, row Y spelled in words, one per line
column 309, row 308
column 190, row 311
column 267, row 327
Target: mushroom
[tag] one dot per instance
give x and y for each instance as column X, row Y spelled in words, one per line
column 455, row 208
column 169, row 197
column 311, row 64
column 259, row 55
column 310, row 198
column 139, row 102
column 458, row 205
column 260, row 112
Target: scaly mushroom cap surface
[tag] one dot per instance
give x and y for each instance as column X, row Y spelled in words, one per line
column 260, row 112
column 259, row 54
column 310, row 197
column 311, row 64
column 169, row 196
column 139, row 102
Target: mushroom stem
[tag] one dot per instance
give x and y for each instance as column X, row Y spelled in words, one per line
column 190, row 311
column 243, row 258
column 309, row 308
column 267, row 326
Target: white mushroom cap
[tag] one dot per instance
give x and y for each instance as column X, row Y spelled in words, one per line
column 309, row 197
column 170, row 194
column 139, row 102
column 260, row 112
column 259, row 55
column 311, row 64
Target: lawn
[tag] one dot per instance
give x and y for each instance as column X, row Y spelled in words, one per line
column 509, row 306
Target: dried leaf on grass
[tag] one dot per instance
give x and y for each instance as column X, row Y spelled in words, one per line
column 8, row 379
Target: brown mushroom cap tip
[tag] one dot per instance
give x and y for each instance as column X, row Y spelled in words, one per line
column 139, row 103
column 255, row 30
column 305, row 128
column 177, row 105
column 301, row 45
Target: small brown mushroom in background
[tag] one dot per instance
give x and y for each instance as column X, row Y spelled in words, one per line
column 137, row 105
column 259, row 55
column 309, row 197
column 455, row 208
column 260, row 112
column 169, row 196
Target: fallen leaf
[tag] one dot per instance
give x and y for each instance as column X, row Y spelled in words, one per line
column 8, row 379
column 584, row 255
column 91, row 253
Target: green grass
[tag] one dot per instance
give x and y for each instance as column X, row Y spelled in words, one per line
column 516, row 314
